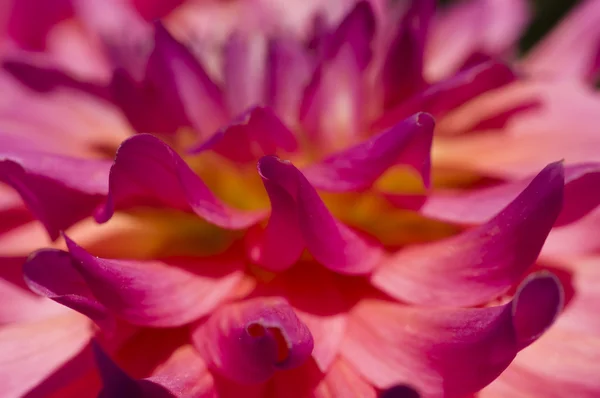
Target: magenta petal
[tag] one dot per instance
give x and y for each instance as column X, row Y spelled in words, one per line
column 402, row 72
column 446, row 351
column 58, row 190
column 51, row 273
column 288, row 72
column 299, row 211
column 248, row 341
column 156, row 293
column 481, row 264
column 581, row 196
column 147, row 171
column 255, row 133
column 184, row 84
column 243, row 69
column 408, row 142
column 448, row 94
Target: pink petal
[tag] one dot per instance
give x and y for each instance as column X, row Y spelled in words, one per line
column 300, row 219
column 253, row 134
column 475, row 207
column 571, row 50
column 147, row 171
column 467, row 27
column 32, row 351
column 448, row 94
column 58, row 190
column 480, row 264
column 244, row 66
column 288, row 72
column 182, row 81
column 249, row 341
column 402, row 71
column 356, row 168
column 447, row 352
column 143, row 293
column 343, row 381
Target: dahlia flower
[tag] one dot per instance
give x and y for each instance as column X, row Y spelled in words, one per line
column 224, row 199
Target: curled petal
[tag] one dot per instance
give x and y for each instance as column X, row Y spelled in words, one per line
column 256, row 133
column 146, row 171
column 247, row 342
column 300, row 219
column 408, row 142
column 581, row 196
column 58, row 190
column 450, row 93
column 142, row 293
column 480, row 264
column 448, row 352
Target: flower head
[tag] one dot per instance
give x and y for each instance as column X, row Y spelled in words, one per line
column 344, row 201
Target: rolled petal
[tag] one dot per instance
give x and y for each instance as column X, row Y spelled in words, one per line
column 255, row 133
column 402, row 72
column 143, row 293
column 58, row 190
column 447, row 352
column 443, row 96
column 300, row 219
column 475, row 207
column 146, row 171
column 480, row 264
column 408, row 143
column 32, row 351
column 572, row 49
column 244, row 71
column 248, row 342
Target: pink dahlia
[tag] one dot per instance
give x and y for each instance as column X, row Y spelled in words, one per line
column 259, row 198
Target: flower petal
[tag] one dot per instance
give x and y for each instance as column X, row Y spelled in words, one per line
column 300, row 219
column 248, row 341
column 32, row 351
column 450, row 93
column 51, row 273
column 447, row 352
column 243, row 69
column 402, row 71
column 58, row 190
column 478, row 206
column 142, row 293
column 288, row 72
column 356, row 168
column 571, row 50
column 343, row 381
column 147, row 171
column 480, row 264
column 255, row 133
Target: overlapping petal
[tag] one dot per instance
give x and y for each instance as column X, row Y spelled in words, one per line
column 147, row 171
column 300, row 219
column 356, row 168
column 143, row 293
column 480, row 264
column 249, row 341
column 58, row 190
column 444, row 351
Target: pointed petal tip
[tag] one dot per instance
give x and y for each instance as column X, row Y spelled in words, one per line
column 537, row 303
